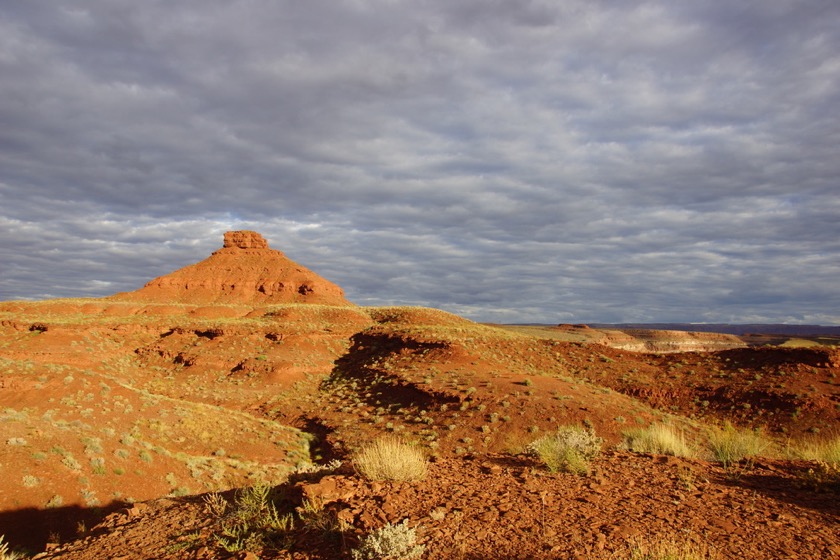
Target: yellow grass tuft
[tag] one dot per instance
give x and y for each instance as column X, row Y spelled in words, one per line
column 730, row 444
column 827, row 450
column 390, row 459
column 658, row 438
column 664, row 548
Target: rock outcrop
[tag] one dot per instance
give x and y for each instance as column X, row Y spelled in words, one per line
column 664, row 342
column 244, row 271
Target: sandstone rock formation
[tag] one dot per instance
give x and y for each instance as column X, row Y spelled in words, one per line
column 663, row 342
column 655, row 340
column 244, row 271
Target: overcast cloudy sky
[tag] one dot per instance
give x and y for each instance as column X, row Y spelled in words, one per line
column 507, row 160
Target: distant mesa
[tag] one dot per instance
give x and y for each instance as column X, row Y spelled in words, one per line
column 244, row 271
column 579, row 326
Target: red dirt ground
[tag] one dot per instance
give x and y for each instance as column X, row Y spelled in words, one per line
column 108, row 404
column 503, row 506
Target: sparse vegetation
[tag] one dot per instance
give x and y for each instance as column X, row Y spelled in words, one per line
column 254, row 522
column 453, row 390
column 823, row 476
column 390, row 459
column 665, row 548
column 391, row 542
column 662, row 439
column 6, row 554
column 55, row 502
column 315, row 517
column 569, row 449
column 30, row 481
column 820, row 450
column 730, row 445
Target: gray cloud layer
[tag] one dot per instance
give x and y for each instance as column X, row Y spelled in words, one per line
column 507, row 160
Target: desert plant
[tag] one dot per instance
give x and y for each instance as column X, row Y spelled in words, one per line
column 314, row 516
column 391, row 542
column 665, row 549
column 30, row 481
column 827, row 450
column 215, row 504
column 825, row 474
column 569, row 449
column 821, row 477
column 254, row 522
column 5, row 553
column 390, row 459
column 55, row 502
column 658, row 438
column 730, row 445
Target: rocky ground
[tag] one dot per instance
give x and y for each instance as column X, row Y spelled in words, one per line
column 502, row 506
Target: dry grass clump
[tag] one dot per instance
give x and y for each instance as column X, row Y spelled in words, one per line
column 569, row 449
column 390, row 459
column 658, row 438
column 827, row 450
column 825, row 474
column 666, row 549
column 5, row 553
column 730, row 444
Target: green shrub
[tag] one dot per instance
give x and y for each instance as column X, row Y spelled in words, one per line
column 254, row 522
column 391, row 542
column 661, row 439
column 390, row 459
column 569, row 449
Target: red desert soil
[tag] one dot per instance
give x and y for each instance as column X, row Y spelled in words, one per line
column 119, row 414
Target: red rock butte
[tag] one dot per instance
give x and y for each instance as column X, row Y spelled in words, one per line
column 244, row 271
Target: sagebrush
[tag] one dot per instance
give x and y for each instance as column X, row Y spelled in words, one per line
column 391, row 542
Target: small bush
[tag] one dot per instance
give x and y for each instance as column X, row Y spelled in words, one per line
column 253, row 523
column 391, row 542
column 659, row 438
column 569, row 449
column 390, row 459
column 314, row 516
column 55, row 502
column 824, row 476
column 30, row 481
column 215, row 504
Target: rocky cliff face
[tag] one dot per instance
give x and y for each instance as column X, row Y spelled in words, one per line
column 654, row 340
column 244, row 271
column 645, row 340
